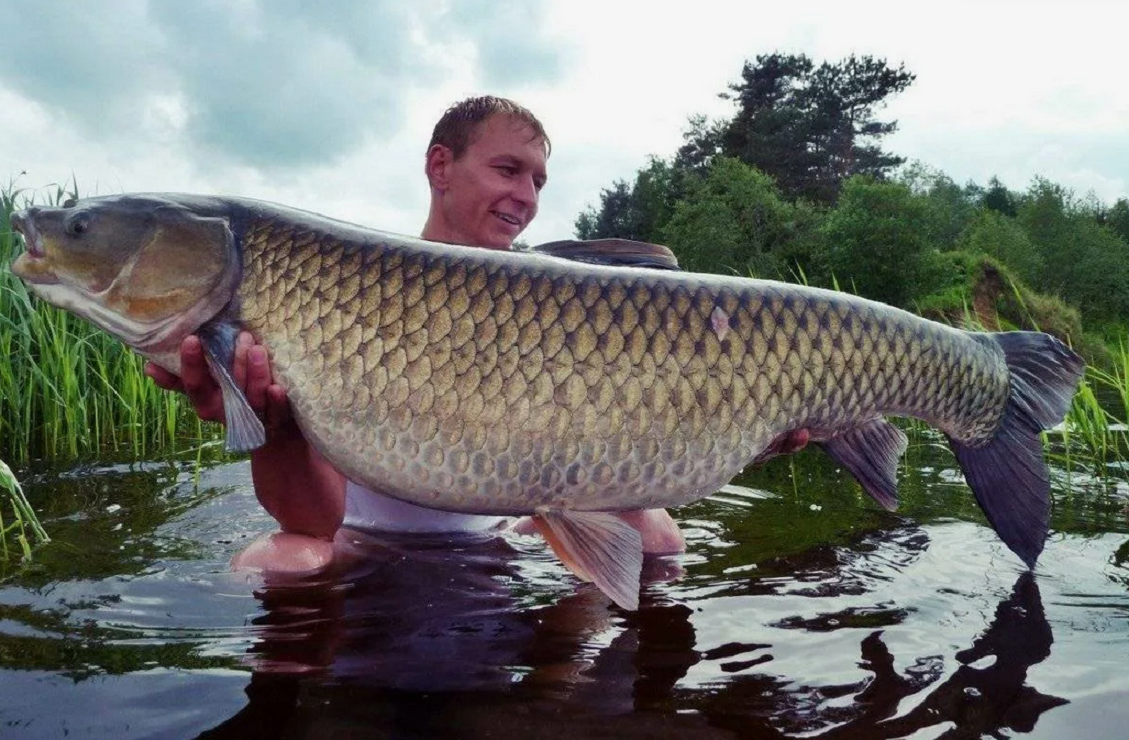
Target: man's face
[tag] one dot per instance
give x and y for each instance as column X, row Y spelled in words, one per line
column 489, row 194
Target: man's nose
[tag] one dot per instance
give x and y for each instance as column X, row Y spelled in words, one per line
column 525, row 191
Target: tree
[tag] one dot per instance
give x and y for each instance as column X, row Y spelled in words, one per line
column 616, row 217
column 951, row 207
column 877, row 242
column 731, row 221
column 638, row 211
column 999, row 199
column 812, row 127
column 1083, row 261
column 1046, row 219
column 1117, row 218
column 806, row 126
column 992, row 233
column 702, row 142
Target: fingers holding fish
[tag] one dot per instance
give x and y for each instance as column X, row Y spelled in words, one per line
column 659, row 532
column 276, row 411
column 163, row 378
column 197, row 381
column 268, row 399
column 797, row 440
column 252, row 372
column 786, row 444
column 243, row 344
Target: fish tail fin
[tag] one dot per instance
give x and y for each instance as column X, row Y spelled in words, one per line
column 1008, row 474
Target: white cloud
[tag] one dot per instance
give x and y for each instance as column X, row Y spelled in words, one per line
column 329, row 107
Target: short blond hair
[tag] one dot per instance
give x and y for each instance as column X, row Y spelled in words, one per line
column 457, row 127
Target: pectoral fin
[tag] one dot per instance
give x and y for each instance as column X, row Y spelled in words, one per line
column 599, row 547
column 870, row 453
column 244, row 429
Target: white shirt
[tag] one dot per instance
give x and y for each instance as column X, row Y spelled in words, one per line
column 371, row 511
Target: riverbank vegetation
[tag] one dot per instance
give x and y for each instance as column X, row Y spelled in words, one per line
column 20, row 528
column 796, row 186
column 68, row 390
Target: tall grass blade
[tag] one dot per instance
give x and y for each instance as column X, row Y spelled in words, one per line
column 24, row 518
column 67, row 389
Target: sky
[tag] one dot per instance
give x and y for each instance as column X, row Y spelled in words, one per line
column 329, row 106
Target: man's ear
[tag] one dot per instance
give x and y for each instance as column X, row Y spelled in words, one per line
column 438, row 166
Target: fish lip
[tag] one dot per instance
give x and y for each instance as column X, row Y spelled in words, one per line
column 23, row 225
column 31, row 266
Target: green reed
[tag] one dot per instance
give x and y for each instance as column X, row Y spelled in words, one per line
column 24, row 528
column 24, row 525
column 1096, row 422
column 1117, row 379
column 67, row 389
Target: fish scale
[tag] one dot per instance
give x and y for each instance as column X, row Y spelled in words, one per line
column 573, row 380
column 599, row 390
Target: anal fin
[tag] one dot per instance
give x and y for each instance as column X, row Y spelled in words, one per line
column 871, row 453
column 599, row 547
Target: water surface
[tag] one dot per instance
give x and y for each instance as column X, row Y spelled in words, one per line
column 801, row 609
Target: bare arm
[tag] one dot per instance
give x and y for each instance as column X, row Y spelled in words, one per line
column 293, row 482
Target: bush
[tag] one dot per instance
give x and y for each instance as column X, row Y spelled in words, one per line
column 878, row 242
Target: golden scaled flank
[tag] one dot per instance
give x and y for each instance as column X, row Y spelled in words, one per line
column 471, row 377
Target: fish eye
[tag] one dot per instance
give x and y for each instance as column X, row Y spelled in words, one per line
column 78, row 223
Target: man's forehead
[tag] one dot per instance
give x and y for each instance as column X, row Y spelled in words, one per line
column 501, row 129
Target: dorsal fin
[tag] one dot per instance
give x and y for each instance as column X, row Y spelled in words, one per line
column 621, row 252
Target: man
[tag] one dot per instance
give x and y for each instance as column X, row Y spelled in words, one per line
column 486, row 165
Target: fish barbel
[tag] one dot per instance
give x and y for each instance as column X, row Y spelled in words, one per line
column 567, row 382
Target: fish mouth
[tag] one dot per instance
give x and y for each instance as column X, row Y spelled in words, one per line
column 25, row 227
column 31, row 266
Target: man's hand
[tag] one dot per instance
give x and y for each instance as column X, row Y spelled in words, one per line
column 251, row 372
column 296, row 486
column 785, row 444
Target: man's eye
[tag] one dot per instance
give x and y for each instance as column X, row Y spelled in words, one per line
column 506, row 169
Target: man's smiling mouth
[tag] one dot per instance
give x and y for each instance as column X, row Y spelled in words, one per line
column 508, row 218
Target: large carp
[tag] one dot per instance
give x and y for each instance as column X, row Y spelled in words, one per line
column 540, row 383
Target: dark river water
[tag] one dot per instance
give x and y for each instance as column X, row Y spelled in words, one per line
column 800, row 610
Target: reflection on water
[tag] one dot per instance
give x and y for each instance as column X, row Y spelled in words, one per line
column 799, row 611
column 436, row 627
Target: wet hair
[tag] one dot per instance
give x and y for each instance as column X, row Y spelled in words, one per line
column 457, row 127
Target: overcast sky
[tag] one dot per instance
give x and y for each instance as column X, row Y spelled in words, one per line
column 329, row 105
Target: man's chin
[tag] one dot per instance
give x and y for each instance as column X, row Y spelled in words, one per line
column 503, row 241
column 500, row 234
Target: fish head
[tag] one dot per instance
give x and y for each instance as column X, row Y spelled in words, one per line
column 145, row 268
